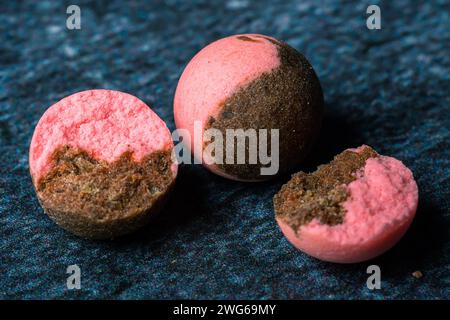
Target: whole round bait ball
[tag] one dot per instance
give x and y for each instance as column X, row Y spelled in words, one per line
column 250, row 81
column 350, row 210
column 101, row 163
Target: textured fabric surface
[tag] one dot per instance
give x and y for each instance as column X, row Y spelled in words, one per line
column 218, row 238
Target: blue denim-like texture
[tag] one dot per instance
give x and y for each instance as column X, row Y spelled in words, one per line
column 218, row 238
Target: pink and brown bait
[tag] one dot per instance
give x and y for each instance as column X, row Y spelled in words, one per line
column 350, row 210
column 251, row 81
column 101, row 163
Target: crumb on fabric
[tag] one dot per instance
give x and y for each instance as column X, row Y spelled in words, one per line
column 417, row 274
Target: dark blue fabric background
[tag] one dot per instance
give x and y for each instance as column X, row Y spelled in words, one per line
column 218, row 238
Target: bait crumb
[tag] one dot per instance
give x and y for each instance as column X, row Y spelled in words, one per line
column 417, row 274
column 320, row 194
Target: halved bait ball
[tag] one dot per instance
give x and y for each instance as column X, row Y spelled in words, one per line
column 350, row 210
column 250, row 81
column 101, row 163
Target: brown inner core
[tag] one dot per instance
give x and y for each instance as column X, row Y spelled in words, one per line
column 288, row 98
column 79, row 183
column 320, row 194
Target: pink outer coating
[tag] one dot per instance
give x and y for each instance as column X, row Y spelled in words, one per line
column 214, row 74
column 104, row 123
column 381, row 206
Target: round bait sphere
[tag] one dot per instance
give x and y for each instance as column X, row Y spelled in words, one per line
column 350, row 210
column 254, row 83
column 101, row 163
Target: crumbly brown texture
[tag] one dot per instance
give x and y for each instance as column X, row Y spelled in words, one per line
column 96, row 199
column 288, row 98
column 320, row 194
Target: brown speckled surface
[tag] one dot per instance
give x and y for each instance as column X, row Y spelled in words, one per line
column 289, row 98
